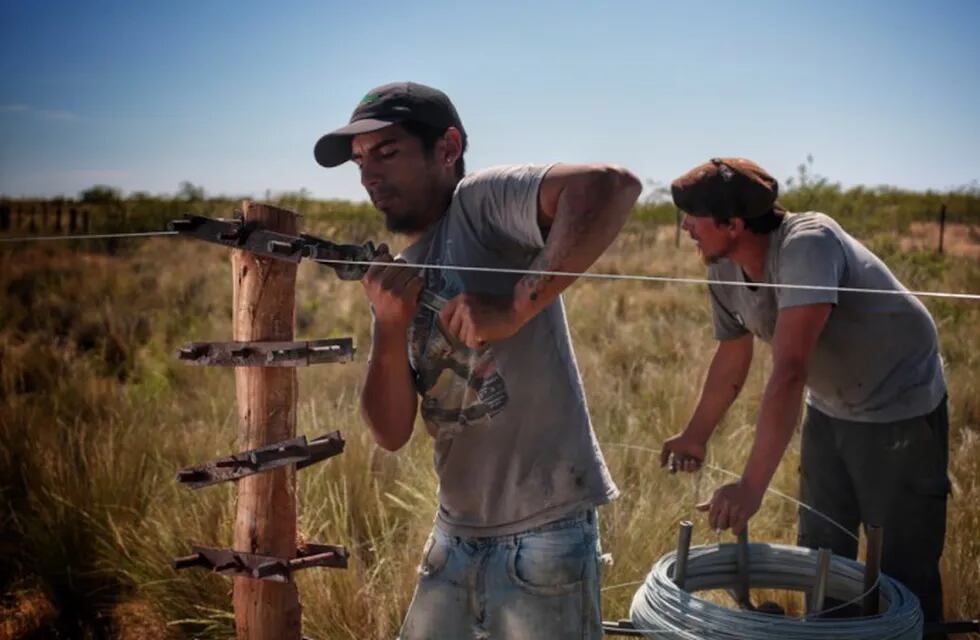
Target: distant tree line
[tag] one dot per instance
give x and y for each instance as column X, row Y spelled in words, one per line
column 105, row 209
column 860, row 209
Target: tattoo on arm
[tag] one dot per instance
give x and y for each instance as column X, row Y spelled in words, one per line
column 535, row 282
column 570, row 245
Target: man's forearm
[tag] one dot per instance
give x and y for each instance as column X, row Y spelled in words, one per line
column 778, row 415
column 726, row 377
column 589, row 215
column 388, row 399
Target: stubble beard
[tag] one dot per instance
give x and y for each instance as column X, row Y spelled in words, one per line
column 414, row 220
column 408, row 222
column 709, row 260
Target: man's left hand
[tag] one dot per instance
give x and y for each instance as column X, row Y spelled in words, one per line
column 479, row 318
column 731, row 507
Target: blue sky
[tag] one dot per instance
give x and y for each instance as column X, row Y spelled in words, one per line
column 232, row 95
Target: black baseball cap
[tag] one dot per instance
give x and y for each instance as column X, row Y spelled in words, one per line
column 384, row 106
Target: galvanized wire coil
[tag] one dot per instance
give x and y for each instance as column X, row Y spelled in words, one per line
column 663, row 610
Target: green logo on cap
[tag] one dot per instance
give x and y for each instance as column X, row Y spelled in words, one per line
column 368, row 99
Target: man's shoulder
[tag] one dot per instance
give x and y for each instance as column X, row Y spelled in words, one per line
column 501, row 173
column 810, row 224
column 802, row 235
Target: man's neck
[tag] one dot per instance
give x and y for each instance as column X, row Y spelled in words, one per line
column 439, row 207
column 750, row 255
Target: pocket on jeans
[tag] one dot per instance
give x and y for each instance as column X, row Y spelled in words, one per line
column 551, row 562
column 435, row 555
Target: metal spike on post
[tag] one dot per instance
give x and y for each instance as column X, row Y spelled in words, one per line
column 295, row 451
column 254, row 237
column 872, row 570
column 263, row 568
column 683, row 551
column 268, row 354
column 819, row 593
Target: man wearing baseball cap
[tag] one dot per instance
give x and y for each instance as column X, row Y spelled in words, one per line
column 874, row 441
column 514, row 549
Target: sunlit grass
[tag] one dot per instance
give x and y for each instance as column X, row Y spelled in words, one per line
column 96, row 415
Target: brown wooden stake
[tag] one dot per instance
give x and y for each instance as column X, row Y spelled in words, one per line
column 264, row 310
column 677, row 230
column 872, row 569
column 942, row 226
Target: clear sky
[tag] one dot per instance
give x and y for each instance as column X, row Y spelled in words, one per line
column 232, row 95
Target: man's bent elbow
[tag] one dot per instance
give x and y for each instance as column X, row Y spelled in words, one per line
column 386, row 437
column 616, row 181
column 389, row 443
column 628, row 183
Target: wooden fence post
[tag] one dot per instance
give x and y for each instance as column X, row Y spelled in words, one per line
column 677, row 229
column 942, row 226
column 264, row 310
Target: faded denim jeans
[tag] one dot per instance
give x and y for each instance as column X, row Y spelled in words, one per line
column 542, row 583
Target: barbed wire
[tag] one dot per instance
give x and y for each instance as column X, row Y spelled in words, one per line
column 540, row 272
column 90, row 236
column 663, row 279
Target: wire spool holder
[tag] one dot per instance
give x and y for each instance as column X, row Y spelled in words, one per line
column 872, row 603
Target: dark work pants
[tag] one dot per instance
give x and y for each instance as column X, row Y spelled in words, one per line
column 891, row 474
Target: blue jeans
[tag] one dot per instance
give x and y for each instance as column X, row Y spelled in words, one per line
column 542, row 583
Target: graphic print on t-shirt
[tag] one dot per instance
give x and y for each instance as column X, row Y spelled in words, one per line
column 459, row 386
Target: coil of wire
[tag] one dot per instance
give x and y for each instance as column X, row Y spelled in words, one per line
column 667, row 611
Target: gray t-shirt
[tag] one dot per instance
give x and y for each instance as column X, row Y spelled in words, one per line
column 877, row 359
column 514, row 446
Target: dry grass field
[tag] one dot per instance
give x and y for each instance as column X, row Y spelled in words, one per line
column 96, row 415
